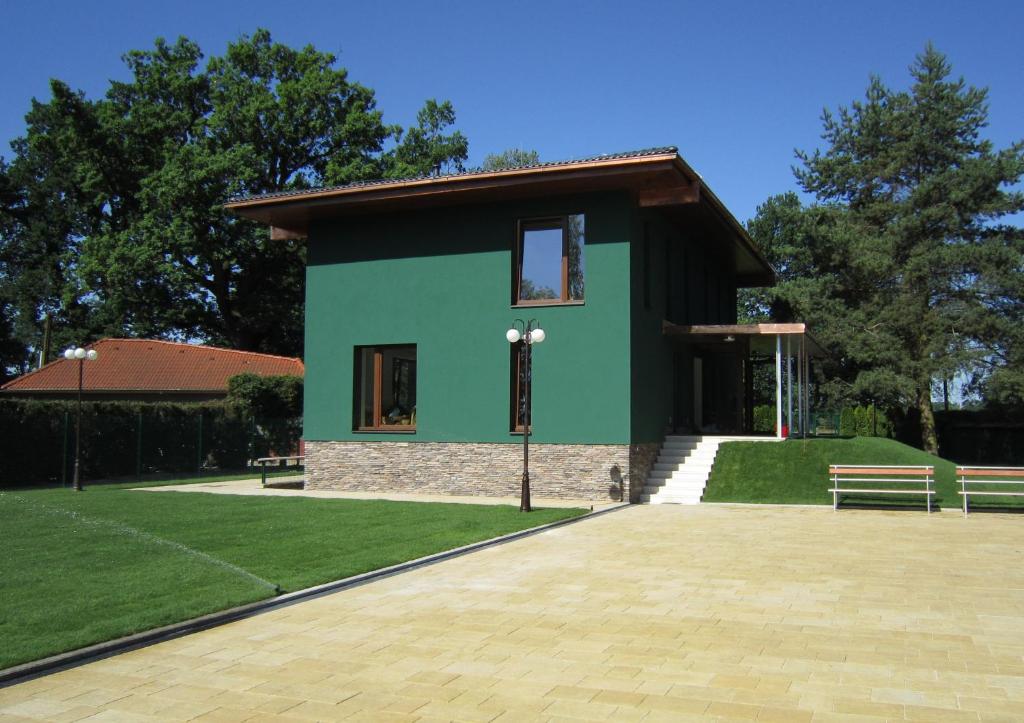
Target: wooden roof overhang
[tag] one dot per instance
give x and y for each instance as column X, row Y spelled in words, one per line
column 658, row 179
column 761, row 336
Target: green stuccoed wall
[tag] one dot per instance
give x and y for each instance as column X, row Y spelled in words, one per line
column 441, row 279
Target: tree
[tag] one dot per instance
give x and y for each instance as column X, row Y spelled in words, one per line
column 123, row 195
column 273, row 396
column 510, row 158
column 996, row 323
column 11, row 351
column 425, row 150
column 895, row 263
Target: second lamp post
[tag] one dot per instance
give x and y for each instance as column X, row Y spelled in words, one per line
column 530, row 333
column 81, row 355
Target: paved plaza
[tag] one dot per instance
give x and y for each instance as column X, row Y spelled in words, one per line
column 652, row 613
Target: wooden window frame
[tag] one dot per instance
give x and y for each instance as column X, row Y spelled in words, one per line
column 545, row 223
column 378, row 384
column 515, row 366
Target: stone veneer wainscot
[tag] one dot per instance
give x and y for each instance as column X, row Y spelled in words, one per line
column 597, row 472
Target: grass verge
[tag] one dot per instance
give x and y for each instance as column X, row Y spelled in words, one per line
column 796, row 471
column 82, row 568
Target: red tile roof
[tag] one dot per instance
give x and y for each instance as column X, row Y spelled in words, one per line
column 148, row 365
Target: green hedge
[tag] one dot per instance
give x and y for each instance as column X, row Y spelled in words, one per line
column 132, row 439
column 857, row 421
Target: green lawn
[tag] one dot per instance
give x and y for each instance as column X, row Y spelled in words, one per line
column 80, row 568
column 796, row 471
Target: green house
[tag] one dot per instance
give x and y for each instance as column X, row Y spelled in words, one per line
column 411, row 384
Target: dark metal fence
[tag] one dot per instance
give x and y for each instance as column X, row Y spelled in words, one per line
column 134, row 441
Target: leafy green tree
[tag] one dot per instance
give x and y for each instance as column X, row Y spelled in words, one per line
column 12, row 352
column 510, row 158
column 425, row 150
column 266, row 396
column 123, row 228
column 996, row 324
column 894, row 266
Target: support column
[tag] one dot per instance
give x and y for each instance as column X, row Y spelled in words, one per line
column 789, row 383
column 807, row 380
column 778, row 386
column 800, row 387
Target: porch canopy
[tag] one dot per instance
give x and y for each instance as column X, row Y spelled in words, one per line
column 792, row 346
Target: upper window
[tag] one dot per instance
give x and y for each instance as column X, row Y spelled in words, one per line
column 549, row 261
column 385, row 388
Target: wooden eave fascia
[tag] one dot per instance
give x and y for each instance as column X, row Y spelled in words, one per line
column 444, row 185
column 734, row 329
column 697, row 331
column 682, row 194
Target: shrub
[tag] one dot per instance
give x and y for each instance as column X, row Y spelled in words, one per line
column 853, row 421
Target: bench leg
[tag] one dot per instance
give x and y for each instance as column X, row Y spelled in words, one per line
column 965, row 505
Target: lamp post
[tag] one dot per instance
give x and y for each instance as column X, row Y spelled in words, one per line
column 81, row 355
column 530, row 333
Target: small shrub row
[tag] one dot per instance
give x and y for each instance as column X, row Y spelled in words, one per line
column 860, row 421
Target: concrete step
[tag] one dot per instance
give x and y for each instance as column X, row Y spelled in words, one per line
column 700, row 462
column 692, row 459
column 661, row 484
column 659, row 500
column 697, row 490
column 681, row 470
column 687, row 459
column 677, row 482
column 686, row 472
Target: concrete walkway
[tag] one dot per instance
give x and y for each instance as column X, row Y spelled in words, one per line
column 255, row 487
column 653, row 613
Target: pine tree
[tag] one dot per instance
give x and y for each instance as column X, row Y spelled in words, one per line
column 898, row 258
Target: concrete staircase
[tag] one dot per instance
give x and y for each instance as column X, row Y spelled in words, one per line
column 683, row 467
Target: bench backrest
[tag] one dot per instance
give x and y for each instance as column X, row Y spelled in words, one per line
column 990, row 475
column 874, row 470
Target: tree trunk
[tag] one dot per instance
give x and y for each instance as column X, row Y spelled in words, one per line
column 929, row 441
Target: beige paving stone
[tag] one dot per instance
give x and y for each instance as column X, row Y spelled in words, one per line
column 660, row 613
column 771, row 714
column 581, row 710
column 924, row 713
column 226, row 715
column 180, row 710
column 740, row 711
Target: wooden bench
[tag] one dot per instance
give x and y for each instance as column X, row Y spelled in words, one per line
column 990, row 476
column 853, row 479
column 281, row 461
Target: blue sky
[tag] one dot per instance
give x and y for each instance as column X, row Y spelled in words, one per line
column 735, row 85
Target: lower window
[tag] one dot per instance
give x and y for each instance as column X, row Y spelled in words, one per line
column 518, row 389
column 385, row 388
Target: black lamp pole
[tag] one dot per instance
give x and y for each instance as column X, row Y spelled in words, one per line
column 77, row 483
column 81, row 355
column 530, row 333
column 524, row 494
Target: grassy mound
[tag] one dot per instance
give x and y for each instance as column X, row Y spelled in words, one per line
column 796, row 471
